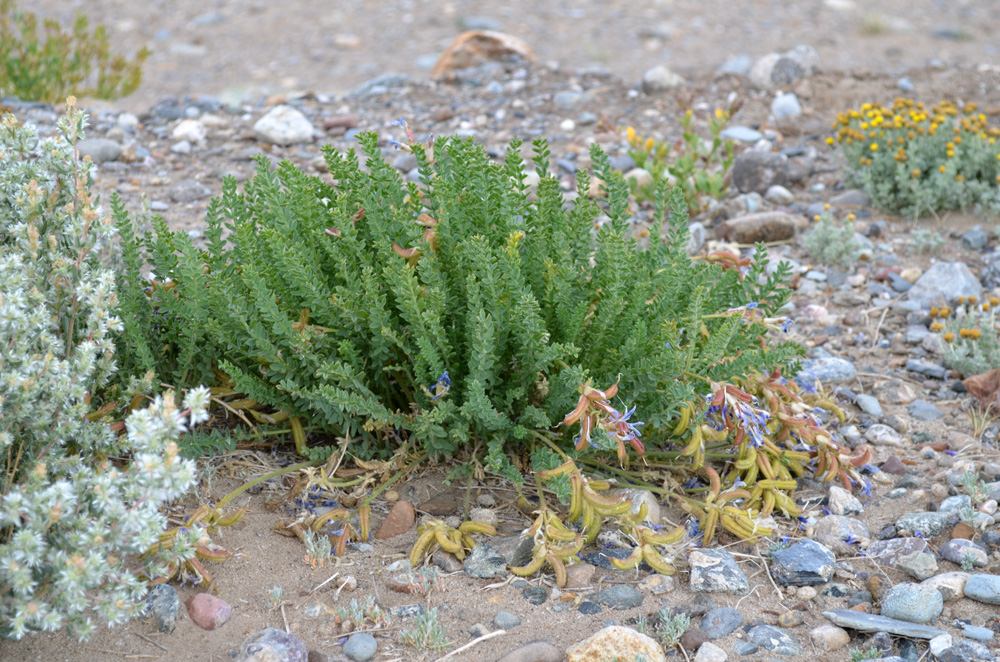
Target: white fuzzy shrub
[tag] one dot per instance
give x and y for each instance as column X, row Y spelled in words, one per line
column 78, row 503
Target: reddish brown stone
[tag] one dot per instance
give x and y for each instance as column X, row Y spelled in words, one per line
column 342, row 122
column 442, row 505
column 963, row 531
column 207, row 611
column 579, row 575
column 473, row 47
column 397, row 522
column 893, row 466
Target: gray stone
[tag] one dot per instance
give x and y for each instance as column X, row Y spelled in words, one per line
column 786, row 106
column 919, row 565
column 916, row 603
column 272, row 645
column 851, row 198
column 758, row 171
column 831, row 370
column 100, row 150
column 536, row 651
column 805, row 563
column 188, row 190
column 779, row 195
column 720, row 622
column 973, row 650
column 716, row 571
column 774, row 639
column 485, row 562
column 381, row 85
column 881, row 434
column 660, row 79
column 620, row 596
column 696, row 237
column 842, row 502
column 745, row 647
column 954, row 504
column 913, row 334
column 943, row 282
column 983, row 588
column 568, row 99
column 516, row 550
column 856, row 620
column 923, row 410
column 977, row 633
column 536, row 595
column 738, row 65
column 975, row 239
column 926, row 524
column 927, row 368
column 842, row 528
column 164, row 606
column 868, row 404
column 958, row 549
column 951, row 585
column 360, row 647
column 505, row 620
column 741, row 133
column 284, row 125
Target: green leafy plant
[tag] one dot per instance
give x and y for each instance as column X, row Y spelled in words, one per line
column 427, row 633
column 79, row 498
column 365, row 614
column 61, row 63
column 976, row 488
column 698, row 167
column 833, row 244
column 671, row 627
column 860, row 655
column 968, row 562
column 918, row 160
column 456, row 312
column 971, row 344
column 925, row 241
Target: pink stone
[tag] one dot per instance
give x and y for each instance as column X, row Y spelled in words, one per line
column 208, row 611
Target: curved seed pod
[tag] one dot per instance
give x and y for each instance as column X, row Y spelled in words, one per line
column 656, row 561
column 419, row 547
column 232, row 518
column 667, row 538
column 468, row 541
column 768, row 506
column 785, row 503
column 213, row 553
column 575, row 498
column 694, row 442
column 341, row 546
column 629, row 562
column 729, row 495
column 561, row 535
column 714, row 482
column 581, row 407
column 643, row 512
column 685, row 420
column 750, row 477
column 832, row 408
column 446, row 543
column 533, row 566
column 563, row 469
column 591, row 523
column 732, row 525
column 567, row 551
column 364, row 521
column 335, row 514
column 559, row 568
column 778, row 484
column 477, row 527
column 749, row 458
column 598, row 499
column 765, row 466
column 599, row 485
column 708, row 526
column 612, row 511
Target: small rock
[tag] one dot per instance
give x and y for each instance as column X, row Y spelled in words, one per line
column 897, row 392
column 616, row 641
column 505, row 620
column 716, row 571
column 743, row 134
column 791, row 619
column 831, row 370
column 164, row 605
column 536, row 595
column 656, row 584
column 883, row 435
column 193, row 131
column 660, row 79
column 923, row 411
column 842, row 502
column 399, row 520
column 983, row 588
column 916, row 603
column 856, row 620
column 709, row 652
column 868, row 404
column 758, row 171
column 829, row 637
column 360, row 647
column 484, row 515
column 207, row 611
column 445, row 561
column 919, row 565
column 951, row 585
column 927, row 524
column 693, row 639
column 284, row 125
column 956, row 551
column 786, row 106
column 779, row 195
column 579, row 575
column 761, row 227
column 536, row 651
column 188, row 190
column 272, row 645
column 893, row 466
column 804, row 563
column 639, row 177
column 485, row 562
column 977, row 633
column 100, row 150
column 720, row 622
column 620, row 596
column 943, row 282
column 588, row 608
column 774, row 639
column 474, row 47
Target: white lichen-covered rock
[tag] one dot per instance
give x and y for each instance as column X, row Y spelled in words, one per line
column 616, row 642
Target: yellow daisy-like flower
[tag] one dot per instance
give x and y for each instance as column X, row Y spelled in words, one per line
column 975, row 334
column 873, row 147
column 942, row 168
column 945, row 312
column 915, row 172
column 961, row 299
column 829, row 141
column 986, row 306
column 826, row 207
column 937, row 326
column 948, row 337
column 959, row 177
column 630, row 134
column 973, row 298
column 995, row 301
column 964, row 333
column 934, row 312
column 851, row 217
column 816, row 218
column 951, row 153
column 719, row 113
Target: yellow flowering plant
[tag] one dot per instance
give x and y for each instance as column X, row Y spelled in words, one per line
column 969, row 332
column 915, row 159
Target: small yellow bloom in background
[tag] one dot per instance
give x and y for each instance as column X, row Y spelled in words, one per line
column 942, row 168
column 945, row 312
column 964, row 333
column 873, row 147
column 689, row 112
column 864, row 126
column 826, row 207
column 630, row 134
column 975, row 334
column 719, row 114
column 948, row 337
column 934, row 311
column 973, row 298
column 816, row 218
column 951, row 153
column 644, row 233
column 961, row 299
column 829, row 141
column 851, row 217
column 995, row 301
column 959, row 177
column 650, row 144
column 937, row 326
column 915, row 172
column 986, row 306
column 958, row 140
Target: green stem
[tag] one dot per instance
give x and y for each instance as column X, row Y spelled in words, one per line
column 633, row 481
column 274, row 474
column 399, row 474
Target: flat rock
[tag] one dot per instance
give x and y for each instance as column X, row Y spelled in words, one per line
column 620, row 596
column 207, row 611
column 881, row 434
column 272, row 645
column 774, row 639
column 856, row 620
column 761, row 227
column 474, row 47
column 887, row 552
column 922, row 410
column 164, row 606
column 716, row 571
column 579, row 575
column 720, row 622
column 897, row 392
column 616, row 642
column 943, row 282
column 919, row 565
column 830, row 370
column 843, row 528
column 983, row 588
column 399, row 520
column 504, row 620
column 927, row 524
column 100, row 150
column 758, row 171
column 915, row 603
column 804, row 563
column 284, row 125
column 536, row 651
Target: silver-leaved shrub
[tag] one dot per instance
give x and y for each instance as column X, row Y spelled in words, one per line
column 77, row 501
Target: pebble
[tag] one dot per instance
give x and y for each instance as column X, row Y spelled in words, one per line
column 829, row 637
column 536, row 651
column 164, row 605
column 620, row 596
column 616, row 642
column 536, row 595
column 192, row 131
column 485, row 515
column 360, row 647
column 760, row 227
column 741, row 133
column 957, row 549
column 720, row 622
column 830, row 370
column 758, row 171
column 398, row 521
column 943, row 282
column 693, row 638
column 774, row 639
column 786, row 106
column 660, row 79
column 272, row 645
column 791, row 619
column 951, row 585
column 505, row 620
column 842, row 502
column 868, row 404
column 779, row 195
column 977, row 633
column 927, row 524
column 883, row 435
column 485, row 562
column 588, row 608
column 983, row 588
column 856, row 620
column 709, row 652
column 657, row 584
column 579, row 575
column 919, row 565
column 207, row 611
column 804, row 563
column 923, row 410
column 954, row 504
column 445, row 561
column 284, row 125
column 716, row 571
column 100, row 150
column 916, row 603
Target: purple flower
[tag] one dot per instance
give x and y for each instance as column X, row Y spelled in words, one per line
column 400, row 122
column 441, row 386
column 751, row 305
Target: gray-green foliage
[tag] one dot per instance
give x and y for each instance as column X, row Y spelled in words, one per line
column 68, row 515
column 969, row 354
column 925, row 241
column 426, row 633
column 317, row 306
column 671, row 627
column 834, row 245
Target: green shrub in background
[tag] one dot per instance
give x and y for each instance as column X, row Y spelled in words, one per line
column 832, row 244
column 916, row 160
column 50, row 68
column 69, row 515
column 457, row 312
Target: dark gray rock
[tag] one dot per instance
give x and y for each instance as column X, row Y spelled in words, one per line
column 856, row 620
column 868, row 404
column 774, row 639
column 720, row 622
column 273, row 645
column 485, row 562
column 620, row 596
column 927, row 368
column 505, row 620
column 516, row 550
column 758, row 171
column 805, row 563
column 536, row 595
column 956, row 551
column 716, row 571
column 163, row 604
column 851, row 198
column 589, row 608
column 975, row 239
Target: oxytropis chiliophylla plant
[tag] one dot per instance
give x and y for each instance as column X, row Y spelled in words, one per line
column 468, row 314
column 969, row 331
column 917, row 160
column 71, row 508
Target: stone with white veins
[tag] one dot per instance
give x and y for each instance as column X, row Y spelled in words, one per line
column 881, row 434
column 716, row 571
column 951, row 585
column 927, row 524
column 284, row 125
